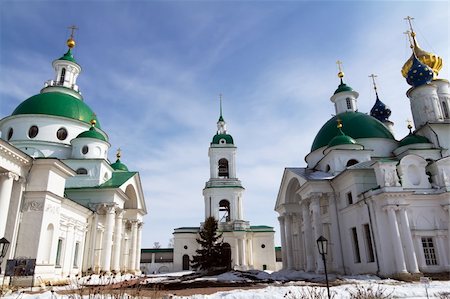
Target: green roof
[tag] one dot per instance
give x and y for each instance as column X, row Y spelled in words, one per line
column 343, row 87
column 227, row 137
column 92, row 133
column 341, row 139
column 117, row 179
column 413, row 139
column 356, row 125
column 68, row 56
column 155, row 250
column 119, row 166
column 57, row 104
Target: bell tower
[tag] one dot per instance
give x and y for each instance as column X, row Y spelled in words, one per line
column 223, row 191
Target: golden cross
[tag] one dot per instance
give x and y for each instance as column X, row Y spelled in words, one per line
column 72, row 28
column 220, row 99
column 409, row 19
column 339, row 64
column 339, row 123
column 373, row 81
column 409, row 126
column 119, row 153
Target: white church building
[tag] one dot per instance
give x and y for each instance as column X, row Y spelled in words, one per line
column 251, row 247
column 382, row 204
column 63, row 205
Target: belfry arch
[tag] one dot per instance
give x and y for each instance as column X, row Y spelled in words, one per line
column 131, row 203
column 223, row 168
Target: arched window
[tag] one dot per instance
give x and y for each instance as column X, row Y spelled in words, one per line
column 82, row 171
column 349, row 103
column 61, row 134
column 445, row 110
column 63, row 75
column 185, row 262
column 223, row 168
column 352, row 162
column 224, row 210
column 33, row 131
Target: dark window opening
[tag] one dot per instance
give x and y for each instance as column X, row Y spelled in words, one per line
column 85, row 149
column 223, row 168
column 369, row 246
column 349, row 198
column 82, row 171
column 263, row 246
column 445, row 110
column 61, row 134
column 63, row 76
column 75, row 255
column 10, row 133
column 224, row 211
column 264, row 267
column 356, row 253
column 429, row 251
column 328, row 168
column 227, row 255
column 352, row 162
column 349, row 103
column 33, row 131
column 58, row 253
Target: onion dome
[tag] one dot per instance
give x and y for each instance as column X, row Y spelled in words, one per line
column 341, row 139
column 92, row 133
column 358, row 125
column 118, row 165
column 380, row 111
column 343, row 87
column 433, row 61
column 57, row 104
column 419, row 74
column 68, row 56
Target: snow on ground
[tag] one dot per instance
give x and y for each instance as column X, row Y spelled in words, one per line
column 282, row 284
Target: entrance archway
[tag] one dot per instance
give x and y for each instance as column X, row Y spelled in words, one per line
column 186, row 262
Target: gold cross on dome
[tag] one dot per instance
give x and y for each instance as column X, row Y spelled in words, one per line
column 373, row 76
column 409, row 19
column 119, row 153
column 72, row 28
column 339, row 64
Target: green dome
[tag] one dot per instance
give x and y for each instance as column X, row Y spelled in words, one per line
column 413, row 139
column 343, row 87
column 119, row 166
column 228, row 139
column 58, row 104
column 92, row 133
column 356, row 124
column 68, row 56
column 340, row 140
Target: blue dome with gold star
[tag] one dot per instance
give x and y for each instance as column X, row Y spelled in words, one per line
column 380, row 111
column 419, row 73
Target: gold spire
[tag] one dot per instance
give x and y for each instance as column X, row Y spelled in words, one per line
column 339, row 123
column 119, row 153
column 341, row 73
column 71, row 41
column 409, row 126
column 93, row 122
column 431, row 60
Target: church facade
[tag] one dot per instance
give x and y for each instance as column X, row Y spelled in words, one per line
column 251, row 247
column 382, row 204
column 62, row 203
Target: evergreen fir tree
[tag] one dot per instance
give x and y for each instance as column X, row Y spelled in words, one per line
column 213, row 254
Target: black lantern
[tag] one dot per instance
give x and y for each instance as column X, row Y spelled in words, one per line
column 322, row 245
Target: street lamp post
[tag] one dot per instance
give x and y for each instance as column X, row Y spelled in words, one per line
column 4, row 245
column 322, row 246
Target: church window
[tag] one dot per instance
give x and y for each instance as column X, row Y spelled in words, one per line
column 223, row 168
column 352, row 162
column 85, row 150
column 349, row 103
column 58, row 252
column 75, row 255
column 264, row 267
column 224, row 211
column 61, row 134
column 445, row 110
column 185, row 247
column 33, row 131
column 369, row 246
column 10, row 133
column 349, row 198
column 429, row 251
column 222, row 141
column 62, row 77
column 263, row 246
column 328, row 168
column 82, row 171
column 356, row 253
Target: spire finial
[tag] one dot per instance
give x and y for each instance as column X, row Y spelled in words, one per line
column 341, row 72
column 71, row 41
column 93, row 122
column 373, row 76
column 220, row 99
column 339, row 123
column 409, row 19
column 409, row 126
column 119, row 153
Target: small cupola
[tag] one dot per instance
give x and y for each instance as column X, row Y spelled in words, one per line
column 344, row 97
column 90, row 144
column 118, row 165
column 222, row 137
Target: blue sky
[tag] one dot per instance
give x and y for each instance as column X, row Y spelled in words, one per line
column 153, row 70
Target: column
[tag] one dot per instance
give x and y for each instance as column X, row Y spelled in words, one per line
column 117, row 240
column 409, row 246
column 6, row 184
column 335, row 242
column 283, row 241
column 132, row 257
column 420, row 256
column 315, row 208
column 308, row 238
column 447, row 208
column 108, row 238
column 441, row 252
column 138, row 246
column 126, row 253
column 237, row 255
column 396, row 241
column 289, row 241
column 243, row 254
column 69, row 250
column 250, row 252
column 301, row 246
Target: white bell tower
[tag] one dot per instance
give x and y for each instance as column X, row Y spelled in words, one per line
column 223, row 192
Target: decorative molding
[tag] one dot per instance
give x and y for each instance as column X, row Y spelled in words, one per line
column 33, row 206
